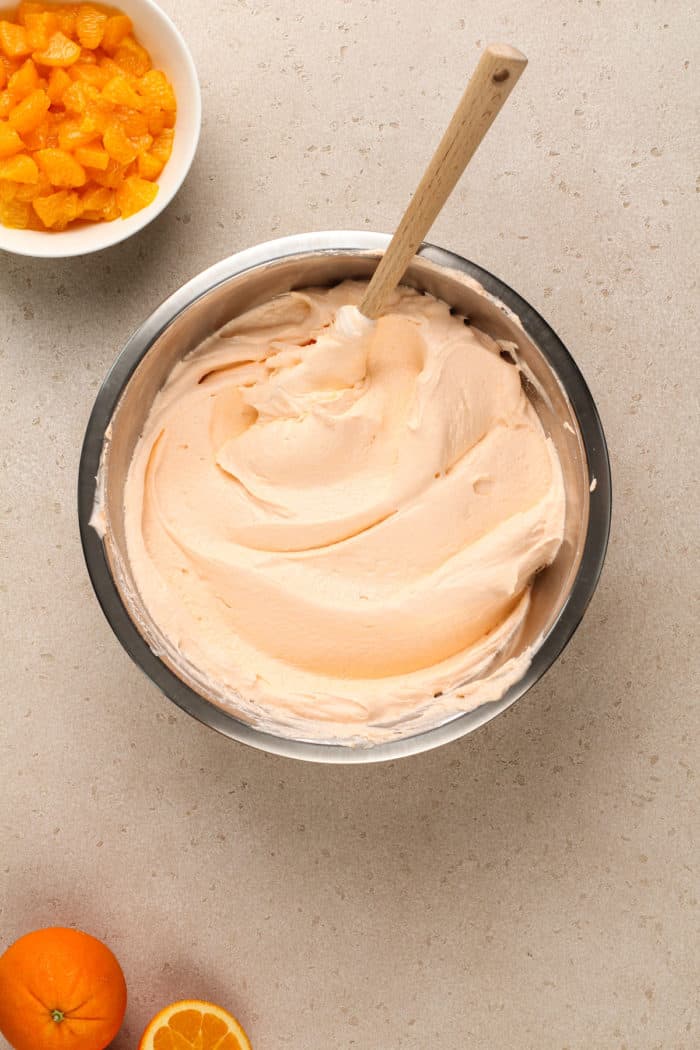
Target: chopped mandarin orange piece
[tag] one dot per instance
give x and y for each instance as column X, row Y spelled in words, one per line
column 134, row 123
column 149, row 166
column 111, row 177
column 79, row 96
column 142, row 142
column 58, row 209
column 30, row 112
column 38, row 137
column 119, row 91
column 77, row 133
column 67, row 16
column 60, row 51
column 29, row 7
column 117, row 28
column 99, row 203
column 40, row 28
column 163, row 145
column 155, row 87
column 30, row 190
column 59, row 81
column 90, row 73
column 95, row 198
column 110, row 66
column 19, row 168
column 7, row 104
column 92, row 157
column 135, row 193
column 80, row 109
column 156, row 120
column 61, row 167
column 119, row 145
column 10, row 65
column 15, row 213
column 132, row 57
column 13, row 40
column 44, row 136
column 90, row 26
column 24, row 81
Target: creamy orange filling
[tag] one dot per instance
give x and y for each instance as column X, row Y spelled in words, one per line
column 336, row 521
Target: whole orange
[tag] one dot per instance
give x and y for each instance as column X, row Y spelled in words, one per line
column 60, row 990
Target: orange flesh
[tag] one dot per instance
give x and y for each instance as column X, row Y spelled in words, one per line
column 192, row 1028
column 84, row 118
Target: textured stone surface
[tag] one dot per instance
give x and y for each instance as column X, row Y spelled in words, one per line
column 535, row 885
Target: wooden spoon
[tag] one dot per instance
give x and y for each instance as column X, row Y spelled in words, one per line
column 494, row 78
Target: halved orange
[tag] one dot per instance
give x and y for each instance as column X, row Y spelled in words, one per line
column 194, row 1023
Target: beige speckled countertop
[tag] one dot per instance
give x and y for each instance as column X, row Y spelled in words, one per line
column 534, row 885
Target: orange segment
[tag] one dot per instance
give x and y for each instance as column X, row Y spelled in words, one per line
column 39, row 137
column 75, row 134
column 163, row 145
column 29, row 190
column 97, row 202
column 15, row 214
column 40, row 28
column 10, row 65
column 196, row 1024
column 134, row 194
column 28, row 7
column 119, row 91
column 90, row 73
column 116, row 29
column 7, row 104
column 67, row 16
column 59, row 81
column 58, row 209
column 20, row 168
column 13, row 40
column 61, row 167
column 78, row 97
column 30, row 112
column 90, row 26
column 24, row 80
column 119, row 145
column 9, row 140
column 132, row 58
column 60, row 51
column 149, row 166
column 92, row 157
column 135, row 124
column 155, row 87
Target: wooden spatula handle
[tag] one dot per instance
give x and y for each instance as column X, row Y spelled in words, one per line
column 493, row 80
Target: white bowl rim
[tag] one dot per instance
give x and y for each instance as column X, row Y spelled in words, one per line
column 38, row 244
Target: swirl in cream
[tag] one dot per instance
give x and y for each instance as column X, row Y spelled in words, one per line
column 336, row 520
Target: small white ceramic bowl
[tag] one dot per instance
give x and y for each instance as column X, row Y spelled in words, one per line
column 169, row 52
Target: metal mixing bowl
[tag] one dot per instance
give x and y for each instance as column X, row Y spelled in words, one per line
column 555, row 385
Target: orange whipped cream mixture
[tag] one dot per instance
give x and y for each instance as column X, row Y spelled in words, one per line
column 337, row 522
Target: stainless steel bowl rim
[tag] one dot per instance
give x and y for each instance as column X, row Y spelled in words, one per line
column 210, row 714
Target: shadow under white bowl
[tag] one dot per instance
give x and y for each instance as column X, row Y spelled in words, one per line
column 169, row 52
